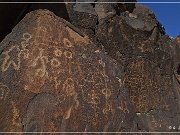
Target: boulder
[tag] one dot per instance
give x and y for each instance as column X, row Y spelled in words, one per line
column 87, row 16
column 109, row 71
column 52, row 79
column 147, row 57
column 142, row 18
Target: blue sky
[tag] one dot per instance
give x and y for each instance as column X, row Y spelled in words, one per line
column 167, row 14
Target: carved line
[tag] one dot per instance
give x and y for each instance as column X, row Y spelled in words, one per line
column 7, row 60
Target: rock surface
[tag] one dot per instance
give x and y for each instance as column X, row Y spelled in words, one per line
column 147, row 56
column 113, row 73
column 14, row 13
column 53, row 79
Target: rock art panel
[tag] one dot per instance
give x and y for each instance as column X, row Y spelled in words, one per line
column 147, row 57
column 60, row 81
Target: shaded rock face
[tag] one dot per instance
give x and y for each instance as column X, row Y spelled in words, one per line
column 177, row 58
column 53, row 79
column 87, row 16
column 14, row 13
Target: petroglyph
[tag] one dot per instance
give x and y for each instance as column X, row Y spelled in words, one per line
column 124, row 107
column 57, row 82
column 55, row 62
column 25, row 53
column 26, row 42
column 67, row 43
column 140, row 83
column 15, row 111
column 106, row 92
column 69, row 87
column 68, row 54
column 108, row 109
column 4, row 90
column 12, row 57
column 58, row 52
column 43, row 60
column 93, row 98
column 26, row 37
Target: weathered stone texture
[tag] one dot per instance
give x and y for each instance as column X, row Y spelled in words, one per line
column 115, row 73
column 53, row 79
column 147, row 56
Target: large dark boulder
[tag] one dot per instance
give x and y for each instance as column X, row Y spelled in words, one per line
column 87, row 16
column 137, row 41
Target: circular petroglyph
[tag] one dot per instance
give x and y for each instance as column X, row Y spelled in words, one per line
column 68, row 54
column 27, row 37
column 55, row 62
column 67, row 43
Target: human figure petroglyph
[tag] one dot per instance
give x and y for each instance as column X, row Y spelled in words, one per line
column 11, row 59
column 25, row 53
column 42, row 36
column 41, row 71
column 26, row 42
column 106, row 91
column 38, row 120
column 26, row 38
column 57, row 82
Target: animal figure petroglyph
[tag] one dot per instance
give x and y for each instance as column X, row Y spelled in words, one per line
column 12, row 57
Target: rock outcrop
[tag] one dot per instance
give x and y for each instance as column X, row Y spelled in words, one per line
column 53, row 79
column 147, row 56
column 137, row 41
column 111, row 68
